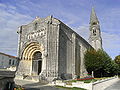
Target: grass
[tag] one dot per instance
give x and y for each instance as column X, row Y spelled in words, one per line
column 85, row 81
column 94, row 80
column 102, row 78
column 68, row 88
column 91, row 80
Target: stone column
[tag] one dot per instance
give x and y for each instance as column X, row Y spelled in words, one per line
column 73, row 54
column 44, row 61
column 83, row 71
column 19, row 48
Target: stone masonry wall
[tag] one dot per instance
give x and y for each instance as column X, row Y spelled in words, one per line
column 71, row 54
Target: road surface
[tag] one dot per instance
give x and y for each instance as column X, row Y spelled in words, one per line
column 115, row 86
column 30, row 85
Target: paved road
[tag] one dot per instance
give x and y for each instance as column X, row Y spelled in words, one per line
column 115, row 86
column 45, row 88
column 30, row 85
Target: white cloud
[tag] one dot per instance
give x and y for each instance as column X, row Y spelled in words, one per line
column 83, row 31
column 110, row 20
column 2, row 5
column 111, row 42
column 13, row 16
column 71, row 18
column 9, row 22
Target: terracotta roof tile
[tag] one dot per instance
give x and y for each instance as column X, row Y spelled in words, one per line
column 7, row 55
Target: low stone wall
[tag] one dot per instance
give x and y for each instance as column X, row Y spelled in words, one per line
column 6, row 79
column 98, row 85
column 5, row 82
column 87, row 86
column 78, row 84
column 102, row 84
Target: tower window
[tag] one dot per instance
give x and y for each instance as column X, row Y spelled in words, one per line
column 36, row 26
column 94, row 31
column 94, row 23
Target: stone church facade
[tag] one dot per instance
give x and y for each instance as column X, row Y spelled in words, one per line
column 49, row 49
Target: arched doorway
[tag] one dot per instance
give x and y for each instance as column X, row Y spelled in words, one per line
column 37, row 63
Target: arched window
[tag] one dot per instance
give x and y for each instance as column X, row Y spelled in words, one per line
column 94, row 31
column 36, row 25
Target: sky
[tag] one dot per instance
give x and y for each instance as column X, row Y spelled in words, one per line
column 74, row 13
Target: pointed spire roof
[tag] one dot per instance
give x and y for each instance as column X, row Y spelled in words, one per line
column 93, row 16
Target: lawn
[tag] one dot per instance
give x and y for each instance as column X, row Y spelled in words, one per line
column 85, row 81
column 68, row 88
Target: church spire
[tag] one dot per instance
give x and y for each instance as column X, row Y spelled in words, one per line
column 95, row 34
column 93, row 17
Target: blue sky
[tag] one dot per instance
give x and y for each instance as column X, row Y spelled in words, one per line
column 74, row 13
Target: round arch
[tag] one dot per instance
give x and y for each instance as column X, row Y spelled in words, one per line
column 29, row 54
column 30, row 50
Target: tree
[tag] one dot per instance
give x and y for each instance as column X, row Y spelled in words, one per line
column 93, row 61
column 117, row 59
column 114, row 68
column 99, row 62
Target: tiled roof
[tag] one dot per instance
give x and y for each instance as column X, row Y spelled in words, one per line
column 7, row 55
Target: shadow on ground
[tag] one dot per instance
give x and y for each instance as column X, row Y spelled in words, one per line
column 40, row 86
column 45, row 88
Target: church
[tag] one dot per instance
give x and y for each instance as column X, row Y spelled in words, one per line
column 49, row 49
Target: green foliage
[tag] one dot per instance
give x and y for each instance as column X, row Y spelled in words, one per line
column 117, row 59
column 114, row 68
column 19, row 89
column 68, row 88
column 88, row 81
column 91, row 80
column 90, row 60
column 100, row 62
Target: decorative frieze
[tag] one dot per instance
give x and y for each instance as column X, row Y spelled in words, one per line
column 39, row 33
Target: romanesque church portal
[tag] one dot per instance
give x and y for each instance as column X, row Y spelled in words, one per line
column 49, row 49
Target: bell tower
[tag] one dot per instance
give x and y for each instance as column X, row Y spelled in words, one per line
column 95, row 34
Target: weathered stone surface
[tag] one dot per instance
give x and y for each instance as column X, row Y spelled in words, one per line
column 7, row 80
column 95, row 34
column 62, row 49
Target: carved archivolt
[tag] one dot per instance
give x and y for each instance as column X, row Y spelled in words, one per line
column 30, row 50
